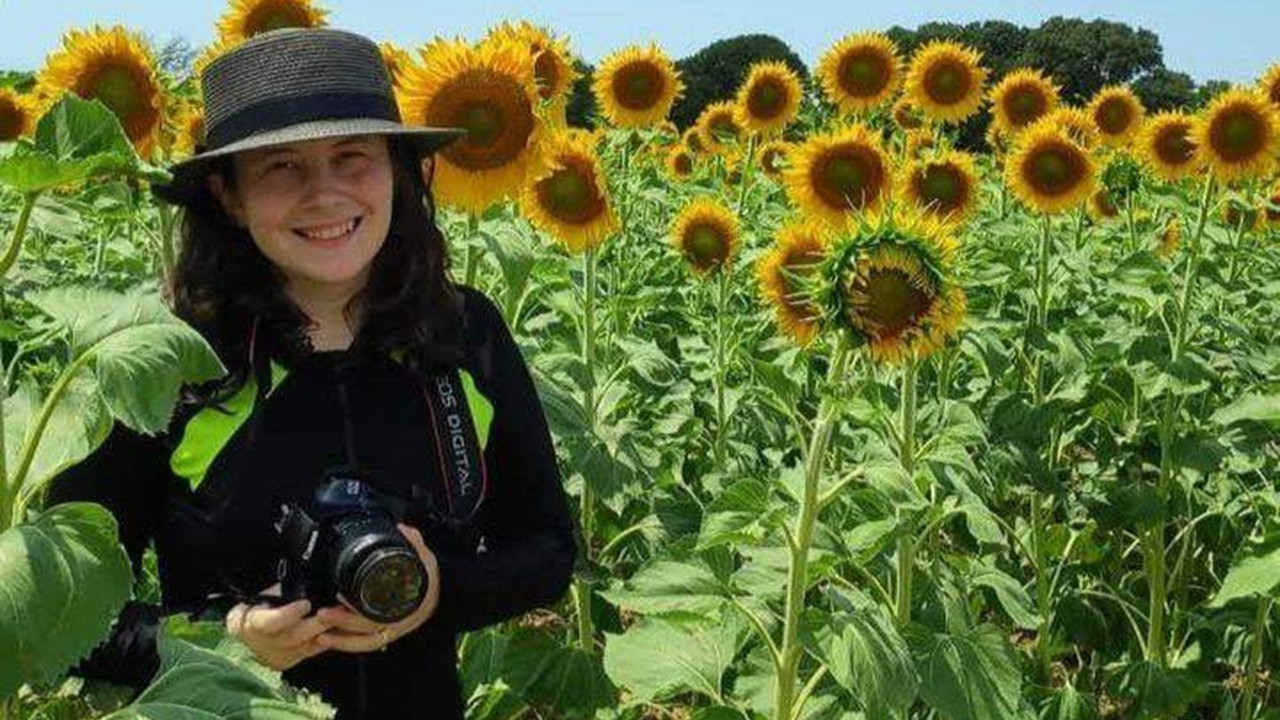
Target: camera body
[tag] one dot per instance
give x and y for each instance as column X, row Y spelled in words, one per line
column 347, row 544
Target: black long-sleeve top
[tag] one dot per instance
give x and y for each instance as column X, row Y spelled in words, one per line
column 220, row 536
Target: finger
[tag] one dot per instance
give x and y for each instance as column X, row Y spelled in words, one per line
column 415, row 539
column 340, row 617
column 273, row 590
column 235, row 619
column 301, row 635
column 267, row 620
column 359, row 643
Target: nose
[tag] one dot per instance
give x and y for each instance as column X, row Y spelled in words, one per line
column 324, row 185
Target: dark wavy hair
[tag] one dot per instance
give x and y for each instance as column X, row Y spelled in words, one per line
column 221, row 283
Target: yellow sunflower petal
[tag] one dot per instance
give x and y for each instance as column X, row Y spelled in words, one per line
column 568, row 198
column 637, row 86
column 773, row 157
column 1269, row 84
column 799, row 248
column 1165, row 146
column 946, row 80
column 945, row 186
column 835, row 176
column 860, row 71
column 1117, row 114
column 679, row 162
column 246, row 18
column 491, row 93
column 17, row 115
column 769, row 98
column 707, row 235
column 718, row 125
column 1048, row 171
column 1238, row 135
column 1022, row 97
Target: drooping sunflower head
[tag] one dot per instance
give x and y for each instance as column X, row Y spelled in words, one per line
column 1117, row 114
column 945, row 186
column 491, row 93
column 692, row 139
column 1238, row 135
column 834, row 177
column 246, row 18
column 679, row 162
column 1269, row 84
column 1021, row 98
column 946, row 81
column 1170, row 237
column 113, row 66
column 1102, row 207
column 1048, row 171
column 637, row 86
column 773, row 157
column 860, row 71
column 906, row 116
column 397, row 59
column 889, row 282
column 786, row 273
column 706, row 234
column 17, row 115
column 567, row 197
column 769, row 98
column 552, row 69
column 1164, row 143
column 189, row 130
column 718, row 125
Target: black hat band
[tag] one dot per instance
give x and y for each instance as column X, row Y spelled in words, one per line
column 285, row 111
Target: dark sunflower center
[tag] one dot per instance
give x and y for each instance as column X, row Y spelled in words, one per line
column 864, row 73
column 1173, row 145
column 1054, row 169
column 637, row 86
column 767, row 99
column 723, row 126
column 1025, row 104
column 885, row 302
column 770, row 159
column 941, row 187
column 546, row 70
column 706, row 246
column 905, row 118
column 11, row 120
column 1103, row 204
column 947, row 82
column 570, row 195
column 494, row 110
column 1114, row 116
column 1238, row 134
column 273, row 16
column 848, row 177
column 692, row 139
column 115, row 86
column 683, row 164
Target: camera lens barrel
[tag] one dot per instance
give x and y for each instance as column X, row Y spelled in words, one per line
column 376, row 569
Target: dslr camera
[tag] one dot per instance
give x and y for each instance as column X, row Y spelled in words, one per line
column 346, row 543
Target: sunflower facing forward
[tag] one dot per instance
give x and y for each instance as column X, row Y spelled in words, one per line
column 1021, row 98
column 1117, row 114
column 706, row 234
column 1048, row 171
column 836, row 176
column 636, row 86
column 945, row 186
column 946, row 81
column 860, row 72
column 785, row 276
column 1164, row 144
column 246, row 18
column 1238, row 135
column 568, row 198
column 769, row 98
column 889, row 282
column 114, row 66
column 17, row 115
column 490, row 91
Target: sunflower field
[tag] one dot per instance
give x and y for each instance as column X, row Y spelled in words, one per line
column 857, row 424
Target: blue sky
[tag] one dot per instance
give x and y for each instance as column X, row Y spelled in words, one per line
column 1229, row 39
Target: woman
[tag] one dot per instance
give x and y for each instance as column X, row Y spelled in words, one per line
column 312, row 263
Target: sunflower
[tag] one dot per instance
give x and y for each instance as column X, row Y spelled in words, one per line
column 889, row 282
column 945, row 187
column 568, row 197
column 1170, row 238
column 1164, row 143
column 397, row 59
column 945, row 81
column 998, row 140
column 692, row 139
column 246, row 18
column 1271, row 207
column 189, row 133
column 836, row 175
column 490, row 91
column 1048, row 171
column 679, row 162
column 115, row 67
column 916, row 142
column 1238, row 216
column 706, row 234
column 1238, row 135
column 1021, row 98
column 1075, row 122
column 1102, row 207
column 1269, row 84
column 860, row 71
column 1117, row 114
column 773, row 157
column 552, row 69
column 718, row 125
column 905, row 115
column 637, row 86
column 17, row 115
column 796, row 254
column 769, row 98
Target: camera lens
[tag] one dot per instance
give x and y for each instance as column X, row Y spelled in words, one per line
column 389, row 584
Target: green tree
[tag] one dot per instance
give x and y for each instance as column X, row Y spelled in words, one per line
column 1165, row 89
column 1083, row 57
column 715, row 72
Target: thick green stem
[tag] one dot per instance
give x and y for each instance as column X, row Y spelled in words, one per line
column 1248, row 711
column 168, row 258
column 473, row 252
column 721, row 374
column 907, row 456
column 1040, row 321
column 1133, row 228
column 19, row 232
column 797, row 582
column 586, row 513
column 746, row 176
column 1043, row 582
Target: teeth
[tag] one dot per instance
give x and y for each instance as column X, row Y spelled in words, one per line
column 330, row 232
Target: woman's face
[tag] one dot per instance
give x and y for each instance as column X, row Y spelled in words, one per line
column 319, row 210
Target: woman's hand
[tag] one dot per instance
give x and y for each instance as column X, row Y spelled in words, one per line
column 353, row 632
column 280, row 637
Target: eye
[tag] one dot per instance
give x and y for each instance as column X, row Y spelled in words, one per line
column 283, row 165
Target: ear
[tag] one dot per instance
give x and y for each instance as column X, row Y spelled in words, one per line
column 230, row 204
column 428, row 164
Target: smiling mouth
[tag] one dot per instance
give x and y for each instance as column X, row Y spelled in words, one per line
column 329, row 233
